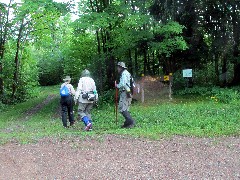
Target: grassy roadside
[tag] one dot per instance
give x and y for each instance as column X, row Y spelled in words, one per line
column 190, row 117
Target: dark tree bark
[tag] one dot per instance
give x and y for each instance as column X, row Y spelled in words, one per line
column 236, row 38
column 3, row 37
column 224, row 71
column 16, row 61
column 136, row 62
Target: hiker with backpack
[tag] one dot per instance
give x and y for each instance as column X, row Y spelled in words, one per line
column 125, row 99
column 67, row 92
column 86, row 95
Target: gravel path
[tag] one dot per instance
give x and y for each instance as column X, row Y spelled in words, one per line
column 119, row 157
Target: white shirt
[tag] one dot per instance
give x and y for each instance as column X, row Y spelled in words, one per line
column 85, row 84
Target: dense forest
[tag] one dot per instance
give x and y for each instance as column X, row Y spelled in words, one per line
column 40, row 42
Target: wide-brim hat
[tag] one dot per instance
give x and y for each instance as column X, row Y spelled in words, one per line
column 67, row 78
column 122, row 64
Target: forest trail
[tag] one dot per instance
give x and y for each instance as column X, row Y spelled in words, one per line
column 34, row 110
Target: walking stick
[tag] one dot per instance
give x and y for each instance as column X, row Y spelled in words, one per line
column 116, row 102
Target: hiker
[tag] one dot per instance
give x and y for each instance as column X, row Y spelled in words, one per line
column 67, row 101
column 125, row 95
column 86, row 95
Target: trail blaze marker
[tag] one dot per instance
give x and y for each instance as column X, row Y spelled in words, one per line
column 166, row 78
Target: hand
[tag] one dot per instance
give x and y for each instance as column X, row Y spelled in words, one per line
column 115, row 83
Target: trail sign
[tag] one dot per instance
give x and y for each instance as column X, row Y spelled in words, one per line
column 187, row 72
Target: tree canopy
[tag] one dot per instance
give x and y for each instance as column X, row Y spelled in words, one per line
column 40, row 43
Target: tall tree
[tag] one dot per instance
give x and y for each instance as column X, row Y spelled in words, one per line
column 4, row 30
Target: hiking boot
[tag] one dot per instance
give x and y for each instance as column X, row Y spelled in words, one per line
column 88, row 127
column 128, row 126
column 72, row 123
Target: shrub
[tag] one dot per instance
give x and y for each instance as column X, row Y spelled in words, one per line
column 216, row 94
column 225, row 95
column 107, row 97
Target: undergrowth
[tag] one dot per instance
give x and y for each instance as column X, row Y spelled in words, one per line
column 199, row 117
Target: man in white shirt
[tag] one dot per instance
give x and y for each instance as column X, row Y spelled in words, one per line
column 67, row 102
column 86, row 95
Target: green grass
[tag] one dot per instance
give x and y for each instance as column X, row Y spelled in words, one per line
column 200, row 119
column 188, row 117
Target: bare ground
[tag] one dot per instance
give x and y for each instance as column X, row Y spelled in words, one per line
column 119, row 157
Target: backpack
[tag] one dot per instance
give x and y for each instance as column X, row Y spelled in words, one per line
column 64, row 91
column 132, row 85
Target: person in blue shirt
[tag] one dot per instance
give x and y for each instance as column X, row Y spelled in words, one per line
column 125, row 95
column 67, row 103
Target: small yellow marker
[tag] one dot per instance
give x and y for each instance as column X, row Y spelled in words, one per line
column 166, row 78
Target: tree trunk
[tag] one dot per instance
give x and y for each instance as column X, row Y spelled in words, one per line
column 2, row 44
column 216, row 70
column 236, row 38
column 16, row 61
column 224, row 71
column 99, row 44
column 148, row 64
column 136, row 62
column 236, row 79
column 145, row 62
column 131, row 61
column 110, row 60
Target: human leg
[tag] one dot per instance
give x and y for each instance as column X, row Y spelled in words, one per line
column 82, row 113
column 129, row 122
column 64, row 112
column 88, row 113
column 70, row 110
column 124, row 104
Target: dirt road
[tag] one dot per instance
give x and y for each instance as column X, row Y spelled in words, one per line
column 118, row 157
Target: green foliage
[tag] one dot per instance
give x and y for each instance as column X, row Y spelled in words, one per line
column 205, row 76
column 28, row 75
column 29, row 22
column 78, row 55
column 216, row 94
column 226, row 96
column 2, row 107
column 171, row 38
column 189, row 117
column 28, row 81
column 146, row 34
column 50, row 67
column 122, row 30
column 107, row 97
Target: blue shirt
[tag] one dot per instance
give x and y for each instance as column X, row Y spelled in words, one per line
column 124, row 80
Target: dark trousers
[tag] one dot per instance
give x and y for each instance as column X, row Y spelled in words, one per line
column 128, row 119
column 67, row 110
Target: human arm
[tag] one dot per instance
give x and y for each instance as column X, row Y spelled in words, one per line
column 71, row 89
column 78, row 91
column 124, row 80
